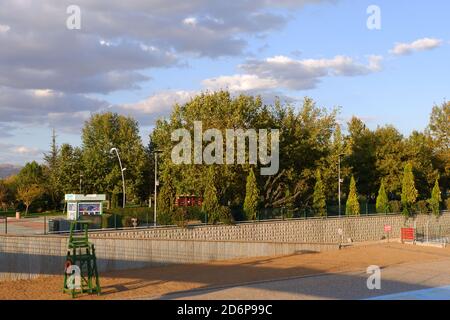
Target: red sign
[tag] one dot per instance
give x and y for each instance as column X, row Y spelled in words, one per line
column 408, row 234
column 387, row 228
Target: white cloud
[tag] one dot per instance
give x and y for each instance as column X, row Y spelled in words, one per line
column 4, row 28
column 160, row 102
column 239, row 82
column 284, row 72
column 191, row 21
column 23, row 150
column 424, row 44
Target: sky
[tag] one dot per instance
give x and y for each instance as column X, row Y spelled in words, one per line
column 386, row 62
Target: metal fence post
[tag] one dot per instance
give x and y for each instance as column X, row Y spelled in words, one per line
column 6, row 223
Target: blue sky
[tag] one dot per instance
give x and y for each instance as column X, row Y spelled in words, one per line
column 292, row 51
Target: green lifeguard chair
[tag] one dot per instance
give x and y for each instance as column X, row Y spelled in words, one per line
column 80, row 274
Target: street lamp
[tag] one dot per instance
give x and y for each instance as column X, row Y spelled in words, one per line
column 339, row 182
column 156, row 185
column 114, row 150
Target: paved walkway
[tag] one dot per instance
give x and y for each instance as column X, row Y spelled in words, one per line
column 413, row 281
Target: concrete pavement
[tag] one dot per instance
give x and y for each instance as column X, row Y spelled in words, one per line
column 405, row 282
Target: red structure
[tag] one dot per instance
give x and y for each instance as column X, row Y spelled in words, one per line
column 188, row 201
column 408, row 234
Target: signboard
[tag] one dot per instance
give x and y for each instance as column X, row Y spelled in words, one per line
column 90, row 209
column 387, row 228
column 84, row 205
column 408, row 234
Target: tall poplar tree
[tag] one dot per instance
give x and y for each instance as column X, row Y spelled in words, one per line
column 409, row 191
column 251, row 196
column 319, row 200
column 382, row 204
column 352, row 207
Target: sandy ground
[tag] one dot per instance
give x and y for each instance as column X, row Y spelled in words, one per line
column 155, row 282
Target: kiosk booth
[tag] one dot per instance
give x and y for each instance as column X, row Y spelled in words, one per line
column 80, row 206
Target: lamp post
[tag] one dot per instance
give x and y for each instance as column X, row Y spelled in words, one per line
column 339, row 182
column 114, row 150
column 156, row 186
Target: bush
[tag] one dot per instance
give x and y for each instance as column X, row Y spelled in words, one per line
column 395, row 206
column 141, row 213
column 422, row 207
column 225, row 215
column 164, row 219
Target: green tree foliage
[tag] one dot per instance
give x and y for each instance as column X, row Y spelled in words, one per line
column 3, row 195
column 31, row 173
column 382, row 204
column 352, row 207
column 101, row 168
column 52, row 185
column 29, row 193
column 211, row 206
column 362, row 158
column 70, row 170
column 251, row 196
column 436, row 199
column 167, row 196
column 409, row 191
column 439, row 130
column 319, row 200
column 389, row 158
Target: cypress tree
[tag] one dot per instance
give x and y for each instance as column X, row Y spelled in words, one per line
column 382, row 205
column 435, row 199
column 251, row 196
column 409, row 191
column 211, row 204
column 352, row 207
column 319, row 200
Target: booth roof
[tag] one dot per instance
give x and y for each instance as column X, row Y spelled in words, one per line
column 85, row 197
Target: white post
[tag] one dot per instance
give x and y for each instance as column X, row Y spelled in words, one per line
column 156, row 182
column 123, row 177
column 339, row 184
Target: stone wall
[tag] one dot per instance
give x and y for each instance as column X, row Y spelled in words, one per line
column 26, row 257
column 359, row 229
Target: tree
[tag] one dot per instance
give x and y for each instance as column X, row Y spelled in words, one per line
column 352, row 207
column 439, row 130
column 167, row 195
column 70, row 167
column 3, row 195
column 319, row 200
column 382, row 204
column 435, row 199
column 362, row 158
column 31, row 173
column 251, row 196
column 389, row 158
column 210, row 204
column 101, row 168
column 28, row 194
column 409, row 191
column 52, row 184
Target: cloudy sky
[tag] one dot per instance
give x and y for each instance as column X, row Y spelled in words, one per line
column 138, row 57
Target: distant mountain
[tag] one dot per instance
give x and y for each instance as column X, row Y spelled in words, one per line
column 7, row 170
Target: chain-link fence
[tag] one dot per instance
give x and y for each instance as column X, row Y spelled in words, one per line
column 33, row 225
column 433, row 233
